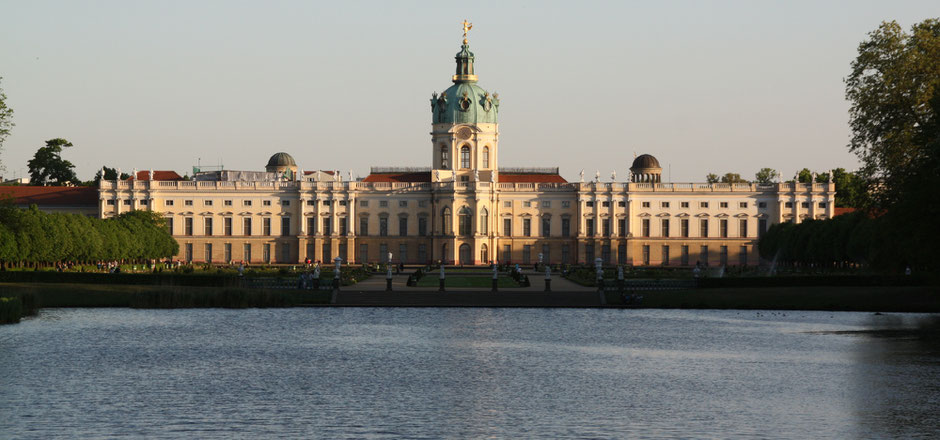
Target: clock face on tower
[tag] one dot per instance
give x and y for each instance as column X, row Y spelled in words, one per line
column 464, row 133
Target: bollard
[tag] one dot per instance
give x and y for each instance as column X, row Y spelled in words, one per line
column 388, row 280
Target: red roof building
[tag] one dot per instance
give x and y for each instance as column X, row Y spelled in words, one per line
column 69, row 199
column 157, row 175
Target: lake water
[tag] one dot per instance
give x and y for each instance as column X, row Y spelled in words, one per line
column 467, row 373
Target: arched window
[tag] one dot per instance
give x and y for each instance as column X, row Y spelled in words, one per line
column 465, row 157
column 444, row 158
column 484, row 254
column 465, row 222
column 486, row 157
column 484, row 223
column 445, row 221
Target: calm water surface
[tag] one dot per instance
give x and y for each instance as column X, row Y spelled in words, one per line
column 467, row 373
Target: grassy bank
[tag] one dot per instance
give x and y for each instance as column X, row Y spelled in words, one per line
column 113, row 295
column 923, row 299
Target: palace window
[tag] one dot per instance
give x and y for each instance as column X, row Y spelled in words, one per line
column 589, row 204
column 704, row 255
column 684, row 226
column 325, row 202
column 507, row 227
column 622, row 204
column 761, row 204
column 327, row 230
column 605, row 225
column 703, row 227
column 664, row 204
column 188, row 202
column 722, row 204
column 646, row 227
column 804, row 205
column 822, row 204
column 246, row 226
column 589, row 227
column 208, row 250
column 465, row 157
column 266, row 203
column 742, row 227
column 446, row 222
column 422, row 226
column 364, row 226
column 311, row 225
column 484, row 222
column 605, row 204
column 343, row 230
column 285, row 226
column 646, row 204
column 761, row 227
column 227, row 224
column 622, row 227
column 383, row 226
column 526, row 204
column 363, row 203
column 227, row 202
column 207, row 223
column 565, row 204
column 444, row 157
column 507, row 204
column 312, row 202
column 546, row 204
column 188, row 225
column 422, row 203
column 665, row 255
column 246, row 202
column 565, row 227
column 165, row 202
column 111, row 202
column 383, row 203
column 403, row 226
column 788, row 205
column 742, row 204
column 402, row 203
column 227, row 251
column 127, row 202
column 526, row 227
column 683, row 204
column 464, row 222
column 546, row 226
column 486, row 157
column 723, row 228
column 266, row 226
column 342, row 203
column 665, row 227
column 684, row 255
column 703, row 204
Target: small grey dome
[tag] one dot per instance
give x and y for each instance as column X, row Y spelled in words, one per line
column 281, row 160
column 645, row 161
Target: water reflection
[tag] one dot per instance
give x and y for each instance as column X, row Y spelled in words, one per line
column 468, row 373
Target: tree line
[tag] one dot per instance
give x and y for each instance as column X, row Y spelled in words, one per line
column 850, row 187
column 33, row 237
column 894, row 91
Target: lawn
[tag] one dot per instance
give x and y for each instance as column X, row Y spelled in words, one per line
column 433, row 280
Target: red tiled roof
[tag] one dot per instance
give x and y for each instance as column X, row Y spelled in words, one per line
column 51, row 195
column 530, row 178
column 422, row 176
column 157, row 175
column 840, row 211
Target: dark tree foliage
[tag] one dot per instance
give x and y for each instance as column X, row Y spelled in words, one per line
column 109, row 174
column 765, row 176
column 47, row 167
column 33, row 236
column 6, row 122
column 732, row 178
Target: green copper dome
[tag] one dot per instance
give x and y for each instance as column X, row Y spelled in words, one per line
column 464, row 102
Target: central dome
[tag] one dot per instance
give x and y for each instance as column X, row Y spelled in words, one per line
column 645, row 161
column 464, row 102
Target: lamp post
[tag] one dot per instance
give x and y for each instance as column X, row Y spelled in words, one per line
column 388, row 274
column 336, row 272
column 495, row 278
column 441, row 288
column 599, row 266
column 548, row 278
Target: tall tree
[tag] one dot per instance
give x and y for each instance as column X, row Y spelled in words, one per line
column 711, row 178
column 893, row 79
column 109, row 174
column 732, row 178
column 765, row 176
column 47, row 167
column 6, row 122
column 804, row 176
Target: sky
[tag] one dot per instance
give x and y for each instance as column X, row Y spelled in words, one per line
column 704, row 86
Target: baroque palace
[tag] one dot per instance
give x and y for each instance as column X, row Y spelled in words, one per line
column 464, row 208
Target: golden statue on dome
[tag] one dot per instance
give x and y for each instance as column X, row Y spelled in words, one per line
column 466, row 28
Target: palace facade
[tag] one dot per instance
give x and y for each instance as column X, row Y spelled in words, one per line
column 465, row 208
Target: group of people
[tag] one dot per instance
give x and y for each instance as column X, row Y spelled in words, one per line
column 309, row 279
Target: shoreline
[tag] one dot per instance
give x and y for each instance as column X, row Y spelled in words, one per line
column 895, row 299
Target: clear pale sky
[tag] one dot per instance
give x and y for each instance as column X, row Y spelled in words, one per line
column 703, row 86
